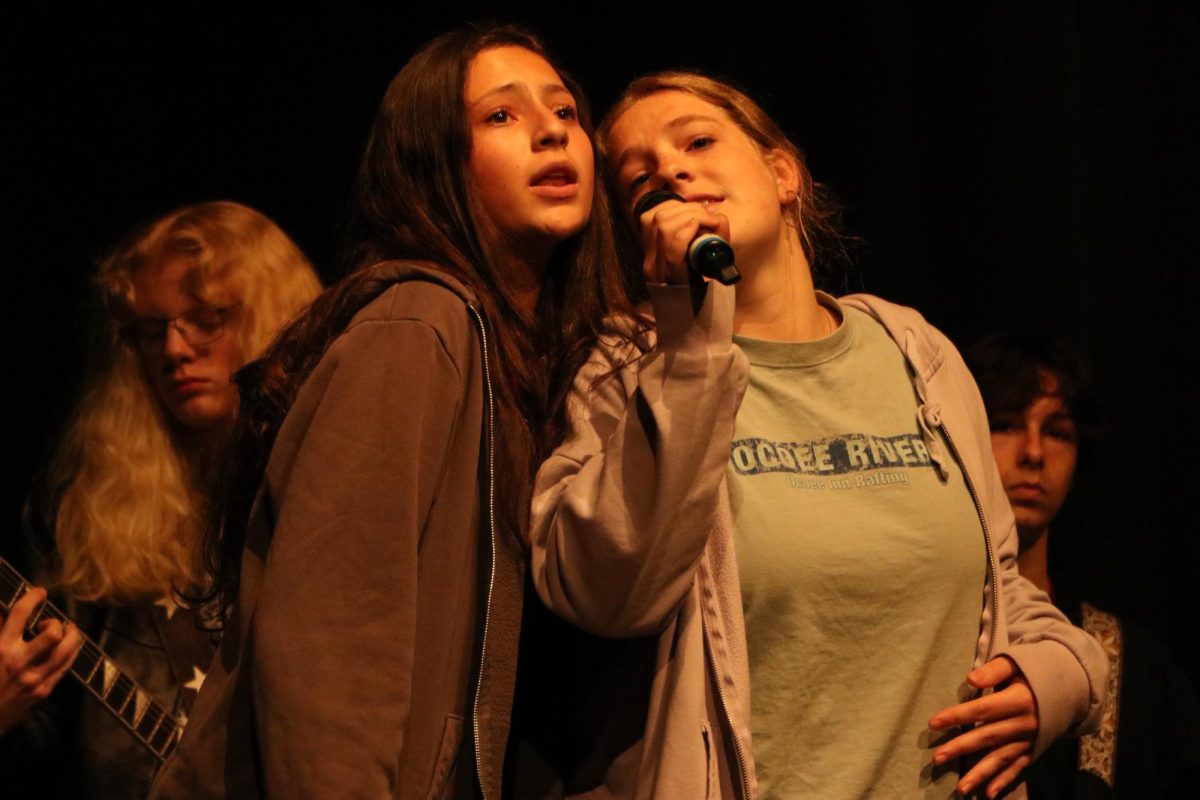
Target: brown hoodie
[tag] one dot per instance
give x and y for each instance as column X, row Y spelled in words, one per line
column 372, row 649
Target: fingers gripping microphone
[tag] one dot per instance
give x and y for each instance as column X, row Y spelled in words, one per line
column 708, row 254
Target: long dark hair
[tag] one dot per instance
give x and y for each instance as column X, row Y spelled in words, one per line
column 413, row 201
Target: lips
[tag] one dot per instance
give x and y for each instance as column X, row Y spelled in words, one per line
column 707, row 200
column 559, row 179
column 1025, row 491
column 187, row 386
column 560, row 173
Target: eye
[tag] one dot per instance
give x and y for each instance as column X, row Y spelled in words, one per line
column 148, row 331
column 701, row 142
column 1003, row 424
column 204, row 319
column 566, row 112
column 1062, row 432
column 499, row 116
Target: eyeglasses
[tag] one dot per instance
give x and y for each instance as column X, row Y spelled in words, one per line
column 200, row 326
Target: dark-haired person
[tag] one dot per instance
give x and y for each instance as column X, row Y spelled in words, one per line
column 189, row 298
column 1043, row 420
column 371, row 559
column 795, row 497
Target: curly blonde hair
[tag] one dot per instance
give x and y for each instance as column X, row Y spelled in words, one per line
column 131, row 490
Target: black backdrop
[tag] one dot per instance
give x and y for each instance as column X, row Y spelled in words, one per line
column 1031, row 169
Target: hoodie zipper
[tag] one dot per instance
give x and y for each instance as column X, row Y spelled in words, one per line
column 743, row 773
column 987, row 540
column 489, row 400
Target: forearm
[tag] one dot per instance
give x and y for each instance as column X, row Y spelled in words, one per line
column 622, row 510
column 1066, row 668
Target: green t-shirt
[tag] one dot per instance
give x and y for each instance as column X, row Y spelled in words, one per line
column 862, row 571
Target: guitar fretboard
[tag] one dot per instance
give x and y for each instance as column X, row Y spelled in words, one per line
column 154, row 726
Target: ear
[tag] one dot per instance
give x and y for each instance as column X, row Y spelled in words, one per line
column 787, row 175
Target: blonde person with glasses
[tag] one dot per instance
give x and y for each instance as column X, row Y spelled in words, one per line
column 188, row 299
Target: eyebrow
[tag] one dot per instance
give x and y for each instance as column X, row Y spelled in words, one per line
column 679, row 122
column 546, row 89
column 673, row 125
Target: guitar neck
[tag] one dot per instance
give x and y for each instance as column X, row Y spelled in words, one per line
column 149, row 722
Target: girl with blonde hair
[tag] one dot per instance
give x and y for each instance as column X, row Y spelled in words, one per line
column 189, row 298
column 794, row 497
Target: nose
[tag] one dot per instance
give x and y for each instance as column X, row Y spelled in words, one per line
column 672, row 174
column 1031, row 448
column 176, row 349
column 551, row 131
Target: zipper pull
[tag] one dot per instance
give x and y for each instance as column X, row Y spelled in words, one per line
column 929, row 417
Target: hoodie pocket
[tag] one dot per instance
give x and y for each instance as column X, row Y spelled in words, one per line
column 447, row 754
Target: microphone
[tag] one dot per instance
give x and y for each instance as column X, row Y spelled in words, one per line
column 708, row 254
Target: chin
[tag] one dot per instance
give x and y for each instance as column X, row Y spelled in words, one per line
column 1029, row 518
column 200, row 416
column 564, row 227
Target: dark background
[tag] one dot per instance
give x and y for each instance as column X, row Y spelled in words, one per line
column 1032, row 169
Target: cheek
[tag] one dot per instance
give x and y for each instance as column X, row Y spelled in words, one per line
column 154, row 371
column 587, row 188
column 229, row 359
column 222, row 359
column 491, row 174
column 483, row 167
column 584, row 157
column 1060, row 470
column 1005, row 452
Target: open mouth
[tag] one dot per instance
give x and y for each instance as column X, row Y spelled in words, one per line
column 557, row 180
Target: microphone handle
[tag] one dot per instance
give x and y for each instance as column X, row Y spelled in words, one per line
column 708, row 254
column 712, row 257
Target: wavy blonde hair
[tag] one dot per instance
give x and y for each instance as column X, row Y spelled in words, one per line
column 131, row 489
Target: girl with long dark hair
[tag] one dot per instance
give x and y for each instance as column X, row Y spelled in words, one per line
column 370, row 556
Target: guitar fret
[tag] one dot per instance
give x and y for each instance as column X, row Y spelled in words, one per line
column 119, row 693
column 134, row 705
column 148, row 723
column 34, row 619
column 141, row 705
column 171, row 744
column 132, row 693
column 87, row 659
column 20, row 590
column 165, row 733
column 154, row 733
column 91, row 673
column 111, row 673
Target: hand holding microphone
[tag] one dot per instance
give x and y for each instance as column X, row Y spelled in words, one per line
column 706, row 253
